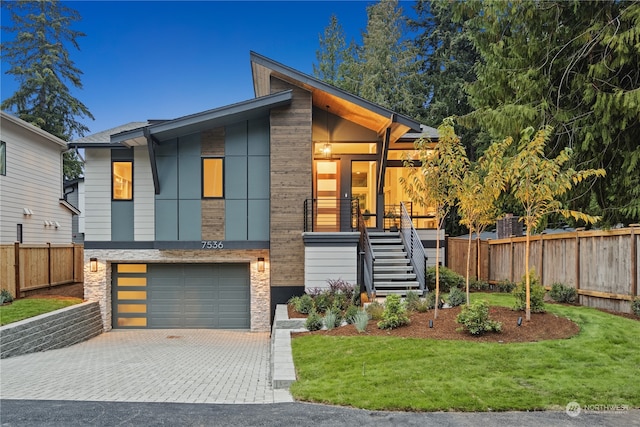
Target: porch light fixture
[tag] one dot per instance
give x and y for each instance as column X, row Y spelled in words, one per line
column 261, row 265
column 93, row 264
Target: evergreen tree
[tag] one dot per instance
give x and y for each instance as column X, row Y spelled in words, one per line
column 39, row 59
column 571, row 65
column 389, row 62
column 330, row 54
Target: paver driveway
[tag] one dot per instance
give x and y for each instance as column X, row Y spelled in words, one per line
column 186, row 366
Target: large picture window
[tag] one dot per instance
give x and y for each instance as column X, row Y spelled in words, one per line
column 3, row 158
column 212, row 178
column 122, row 185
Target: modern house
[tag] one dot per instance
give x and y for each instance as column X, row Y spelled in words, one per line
column 32, row 205
column 209, row 220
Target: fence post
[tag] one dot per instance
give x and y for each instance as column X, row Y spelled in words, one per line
column 542, row 258
column 16, row 263
column 511, row 259
column 578, row 257
column 49, row 273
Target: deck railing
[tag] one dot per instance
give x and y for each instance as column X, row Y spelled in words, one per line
column 366, row 255
column 413, row 244
column 330, row 215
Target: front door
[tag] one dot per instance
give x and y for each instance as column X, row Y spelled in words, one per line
column 327, row 195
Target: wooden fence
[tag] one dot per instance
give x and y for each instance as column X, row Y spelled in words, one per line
column 601, row 265
column 26, row 267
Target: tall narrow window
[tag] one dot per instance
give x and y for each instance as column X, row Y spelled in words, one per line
column 19, row 233
column 3, row 158
column 212, row 178
column 122, row 180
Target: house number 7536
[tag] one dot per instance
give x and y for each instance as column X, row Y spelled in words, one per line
column 212, row 244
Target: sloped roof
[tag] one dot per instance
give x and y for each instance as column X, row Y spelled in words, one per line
column 104, row 137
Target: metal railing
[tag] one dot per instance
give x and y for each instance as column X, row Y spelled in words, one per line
column 367, row 257
column 413, row 244
column 330, row 215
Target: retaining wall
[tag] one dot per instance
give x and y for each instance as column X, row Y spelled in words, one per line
column 58, row 329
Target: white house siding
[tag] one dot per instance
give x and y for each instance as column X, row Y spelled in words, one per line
column 97, row 206
column 324, row 260
column 33, row 181
column 430, row 236
column 143, row 196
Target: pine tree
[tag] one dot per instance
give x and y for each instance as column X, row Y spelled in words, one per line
column 330, row 54
column 39, row 59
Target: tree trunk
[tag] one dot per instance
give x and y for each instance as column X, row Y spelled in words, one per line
column 435, row 308
column 468, row 265
column 527, row 280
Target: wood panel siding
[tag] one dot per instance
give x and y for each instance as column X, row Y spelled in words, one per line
column 213, row 210
column 213, row 218
column 291, row 173
column 97, row 183
column 213, row 142
column 144, row 196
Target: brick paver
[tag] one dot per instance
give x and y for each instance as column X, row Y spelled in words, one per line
column 185, row 366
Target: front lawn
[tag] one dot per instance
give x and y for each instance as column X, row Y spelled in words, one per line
column 598, row 366
column 29, row 307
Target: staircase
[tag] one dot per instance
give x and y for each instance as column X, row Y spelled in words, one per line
column 393, row 273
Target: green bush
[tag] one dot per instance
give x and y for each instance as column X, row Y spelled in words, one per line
column 350, row 313
column 346, row 290
column 478, row 285
column 394, row 315
column 305, row 304
column 323, row 301
column 448, row 279
column 314, row 321
column 635, row 306
column 536, row 298
column 411, row 300
column 456, row 297
column 5, row 296
column 475, row 318
column 330, row 319
column 361, row 320
column 505, row 286
column 562, row 293
column 430, row 300
column 375, row 310
column 422, row 306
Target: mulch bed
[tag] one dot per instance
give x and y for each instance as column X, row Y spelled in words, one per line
column 542, row 326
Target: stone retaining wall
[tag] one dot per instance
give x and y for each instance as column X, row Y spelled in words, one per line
column 58, row 329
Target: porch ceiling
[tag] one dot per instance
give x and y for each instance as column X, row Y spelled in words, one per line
column 342, row 103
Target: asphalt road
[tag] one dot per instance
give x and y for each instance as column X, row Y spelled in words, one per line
column 24, row 413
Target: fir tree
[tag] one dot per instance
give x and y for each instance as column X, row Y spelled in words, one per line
column 39, row 59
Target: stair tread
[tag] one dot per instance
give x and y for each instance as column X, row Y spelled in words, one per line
column 392, row 267
column 405, row 284
column 390, row 261
column 396, row 276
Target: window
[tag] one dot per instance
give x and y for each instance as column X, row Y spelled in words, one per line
column 19, row 233
column 3, row 158
column 122, row 185
column 212, row 178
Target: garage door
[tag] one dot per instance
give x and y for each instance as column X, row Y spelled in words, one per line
column 181, row 296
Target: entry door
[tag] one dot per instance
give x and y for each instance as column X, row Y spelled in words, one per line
column 327, row 195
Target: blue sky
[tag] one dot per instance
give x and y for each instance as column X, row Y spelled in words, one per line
column 165, row 59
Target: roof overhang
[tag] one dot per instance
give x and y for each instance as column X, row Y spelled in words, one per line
column 209, row 119
column 342, row 103
column 69, row 206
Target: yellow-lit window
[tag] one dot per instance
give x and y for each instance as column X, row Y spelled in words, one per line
column 122, row 180
column 212, row 178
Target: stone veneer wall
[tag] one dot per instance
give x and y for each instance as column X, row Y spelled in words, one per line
column 58, row 329
column 97, row 286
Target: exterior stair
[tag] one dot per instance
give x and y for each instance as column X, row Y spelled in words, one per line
column 393, row 273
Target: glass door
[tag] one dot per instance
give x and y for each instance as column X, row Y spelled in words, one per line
column 363, row 188
column 327, row 196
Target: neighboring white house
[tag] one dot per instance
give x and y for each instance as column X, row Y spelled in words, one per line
column 32, row 205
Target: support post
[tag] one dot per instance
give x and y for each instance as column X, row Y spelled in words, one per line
column 16, row 258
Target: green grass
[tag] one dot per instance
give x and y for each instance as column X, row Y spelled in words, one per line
column 598, row 366
column 24, row 308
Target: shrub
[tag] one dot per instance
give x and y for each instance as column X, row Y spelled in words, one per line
column 536, row 298
column 375, row 310
column 304, row 304
column 314, row 321
column 5, row 296
column 394, row 315
column 411, row 300
column 456, row 297
column 323, row 301
column 562, row 293
column 340, row 286
column 430, row 300
column 361, row 320
column 478, row 285
column 475, row 318
column 422, row 306
column 635, row 306
column 505, row 286
column 350, row 313
column 330, row 319
column 340, row 301
column 448, row 279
